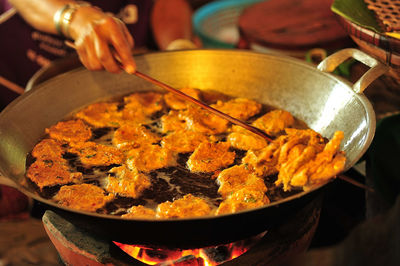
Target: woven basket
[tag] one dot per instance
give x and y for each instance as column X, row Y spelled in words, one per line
column 385, row 48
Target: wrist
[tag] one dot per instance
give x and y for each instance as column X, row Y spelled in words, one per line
column 64, row 16
column 85, row 17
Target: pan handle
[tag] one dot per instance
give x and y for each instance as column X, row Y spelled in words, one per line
column 330, row 63
column 7, row 182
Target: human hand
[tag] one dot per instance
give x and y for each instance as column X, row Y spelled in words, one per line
column 101, row 41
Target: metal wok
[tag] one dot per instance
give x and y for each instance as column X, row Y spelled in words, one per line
column 325, row 102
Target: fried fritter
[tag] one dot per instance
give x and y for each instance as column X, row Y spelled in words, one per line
column 93, row 154
column 47, row 173
column 85, row 197
column 172, row 122
column 264, row 162
column 305, row 160
column 244, row 139
column 317, row 169
column 203, row 121
column 101, row 115
column 209, row 157
column 243, row 199
column 274, row 122
column 139, row 211
column 48, row 149
column 188, row 206
column 70, row 131
column 148, row 102
column 133, row 136
column 127, row 182
column 237, row 177
column 183, row 141
column 240, row 108
column 149, row 157
column 179, row 103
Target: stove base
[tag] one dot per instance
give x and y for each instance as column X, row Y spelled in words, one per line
column 79, row 247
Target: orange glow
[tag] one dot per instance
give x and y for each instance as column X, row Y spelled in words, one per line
column 210, row 256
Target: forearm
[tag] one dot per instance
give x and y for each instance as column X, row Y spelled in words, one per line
column 95, row 34
column 39, row 13
column 171, row 20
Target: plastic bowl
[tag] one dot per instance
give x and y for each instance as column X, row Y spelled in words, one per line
column 216, row 23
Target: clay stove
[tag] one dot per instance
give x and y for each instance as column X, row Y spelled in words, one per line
column 79, row 247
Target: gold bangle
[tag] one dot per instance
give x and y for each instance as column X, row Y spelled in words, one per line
column 63, row 17
column 58, row 18
column 66, row 20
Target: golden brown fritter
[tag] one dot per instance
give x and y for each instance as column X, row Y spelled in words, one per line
column 209, row 157
column 306, row 137
column 48, row 149
column 203, row 121
column 101, row 115
column 70, row 131
column 297, row 157
column 93, row 154
column 270, row 159
column 244, row 139
column 179, row 103
column 194, row 119
column 314, row 170
column 243, row 199
column 133, row 136
column 47, row 173
column 127, row 182
column 148, row 102
column 172, row 122
column 264, row 162
column 149, row 157
column 237, row 177
column 240, row 108
column 293, row 156
column 134, row 116
column 274, row 122
column 183, row 141
column 85, row 197
column 188, row 206
column 139, row 212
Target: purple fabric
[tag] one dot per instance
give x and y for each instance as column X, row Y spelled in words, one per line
column 4, row 6
column 25, row 50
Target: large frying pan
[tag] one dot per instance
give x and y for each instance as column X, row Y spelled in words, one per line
column 325, row 102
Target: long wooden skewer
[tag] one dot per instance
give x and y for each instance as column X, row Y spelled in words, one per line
column 11, row 85
column 205, row 106
column 356, row 183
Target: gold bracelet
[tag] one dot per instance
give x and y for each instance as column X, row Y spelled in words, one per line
column 63, row 17
column 66, row 20
column 58, row 17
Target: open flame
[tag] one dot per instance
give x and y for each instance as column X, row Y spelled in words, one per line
column 209, row 256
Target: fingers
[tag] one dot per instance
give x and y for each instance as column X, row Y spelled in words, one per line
column 123, row 43
column 106, row 44
column 87, row 55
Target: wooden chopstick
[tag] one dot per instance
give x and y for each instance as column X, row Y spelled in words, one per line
column 11, row 85
column 356, row 183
